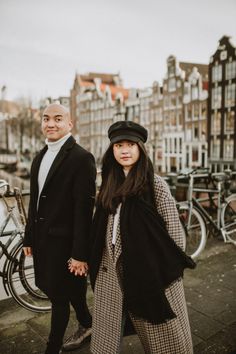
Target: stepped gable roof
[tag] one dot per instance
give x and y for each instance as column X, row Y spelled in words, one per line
column 88, row 81
column 109, row 79
column 188, row 67
column 115, row 90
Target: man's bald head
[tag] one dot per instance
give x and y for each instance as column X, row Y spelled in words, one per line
column 56, row 122
column 58, row 107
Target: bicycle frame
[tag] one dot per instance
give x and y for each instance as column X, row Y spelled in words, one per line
column 196, row 215
column 192, row 201
column 206, row 215
column 17, row 271
column 4, row 247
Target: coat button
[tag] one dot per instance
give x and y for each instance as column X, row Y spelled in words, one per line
column 43, row 196
column 35, row 220
column 104, row 269
column 41, row 219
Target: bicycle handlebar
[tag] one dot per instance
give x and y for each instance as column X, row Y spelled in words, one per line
column 195, row 171
column 199, row 172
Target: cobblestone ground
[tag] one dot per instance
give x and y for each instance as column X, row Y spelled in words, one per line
column 211, row 299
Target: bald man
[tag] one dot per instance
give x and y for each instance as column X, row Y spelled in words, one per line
column 62, row 191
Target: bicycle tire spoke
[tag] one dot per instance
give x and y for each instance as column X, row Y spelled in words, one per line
column 22, row 285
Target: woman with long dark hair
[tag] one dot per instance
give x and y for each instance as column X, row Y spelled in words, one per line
column 137, row 260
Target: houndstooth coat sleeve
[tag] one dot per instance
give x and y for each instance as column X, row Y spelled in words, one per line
column 166, row 207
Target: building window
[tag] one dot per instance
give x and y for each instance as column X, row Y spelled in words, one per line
column 223, row 55
column 166, row 145
column 195, row 154
column 173, row 101
column 166, row 121
column 231, row 70
column 215, row 123
column 171, row 85
column 175, row 145
column 196, row 111
column 173, row 118
column 187, row 156
column 204, row 110
column 203, row 156
column 194, row 93
column 171, row 70
column 186, row 89
column 229, row 149
column 216, row 73
column 215, row 149
column 216, row 97
column 179, row 100
column 166, row 102
column 189, row 112
column 188, row 134
column 195, row 133
column 230, row 95
column 180, row 117
column 229, row 122
column 203, row 131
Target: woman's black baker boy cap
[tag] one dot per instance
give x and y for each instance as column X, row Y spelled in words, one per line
column 127, row 130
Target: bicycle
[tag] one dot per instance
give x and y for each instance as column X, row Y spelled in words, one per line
column 18, row 272
column 195, row 218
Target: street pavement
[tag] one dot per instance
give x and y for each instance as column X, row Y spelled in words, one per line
column 211, row 298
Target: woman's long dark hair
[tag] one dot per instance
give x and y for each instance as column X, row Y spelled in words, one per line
column 116, row 187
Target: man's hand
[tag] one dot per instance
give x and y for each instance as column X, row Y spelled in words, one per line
column 78, row 267
column 27, row 251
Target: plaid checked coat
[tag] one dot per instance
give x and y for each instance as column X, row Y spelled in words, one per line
column 173, row 336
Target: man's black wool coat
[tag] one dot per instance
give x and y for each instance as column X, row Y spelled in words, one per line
column 59, row 227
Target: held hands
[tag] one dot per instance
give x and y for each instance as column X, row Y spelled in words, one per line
column 78, row 267
column 74, row 266
column 27, row 251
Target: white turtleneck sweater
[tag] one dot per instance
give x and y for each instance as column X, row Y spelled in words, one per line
column 48, row 158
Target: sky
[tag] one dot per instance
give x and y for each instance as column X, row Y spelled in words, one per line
column 44, row 43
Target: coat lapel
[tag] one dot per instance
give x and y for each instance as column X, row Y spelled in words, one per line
column 114, row 251
column 117, row 250
column 59, row 158
column 109, row 235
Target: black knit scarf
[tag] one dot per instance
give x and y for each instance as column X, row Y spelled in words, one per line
column 151, row 259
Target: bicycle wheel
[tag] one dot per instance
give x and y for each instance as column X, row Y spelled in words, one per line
column 195, row 230
column 228, row 218
column 20, row 282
